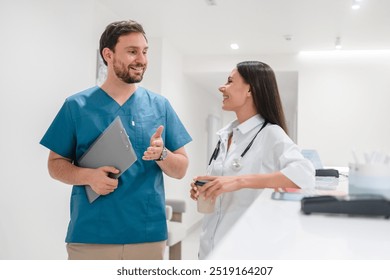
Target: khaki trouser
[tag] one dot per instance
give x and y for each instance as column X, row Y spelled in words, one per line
column 138, row 251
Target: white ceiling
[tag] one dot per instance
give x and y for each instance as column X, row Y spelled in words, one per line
column 260, row 26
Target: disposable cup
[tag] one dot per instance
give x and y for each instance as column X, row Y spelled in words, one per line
column 205, row 206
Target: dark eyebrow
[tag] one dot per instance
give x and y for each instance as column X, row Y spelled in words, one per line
column 135, row 47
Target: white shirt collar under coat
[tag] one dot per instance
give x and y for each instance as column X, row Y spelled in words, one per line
column 244, row 127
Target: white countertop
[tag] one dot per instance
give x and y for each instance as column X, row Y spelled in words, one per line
column 276, row 229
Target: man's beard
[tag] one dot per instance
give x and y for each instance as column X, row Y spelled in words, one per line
column 123, row 73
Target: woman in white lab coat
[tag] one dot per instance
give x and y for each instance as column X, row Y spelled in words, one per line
column 254, row 152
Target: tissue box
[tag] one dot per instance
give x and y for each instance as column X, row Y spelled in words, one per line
column 369, row 179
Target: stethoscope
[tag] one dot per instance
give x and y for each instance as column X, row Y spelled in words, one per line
column 236, row 163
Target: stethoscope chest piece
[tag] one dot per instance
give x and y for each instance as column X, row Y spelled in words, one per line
column 236, row 164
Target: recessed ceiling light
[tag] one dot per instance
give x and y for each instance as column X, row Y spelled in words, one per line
column 234, row 46
column 211, row 2
column 356, row 4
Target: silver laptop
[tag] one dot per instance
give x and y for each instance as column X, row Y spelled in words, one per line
column 111, row 148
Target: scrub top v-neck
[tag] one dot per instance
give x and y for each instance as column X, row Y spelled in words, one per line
column 135, row 211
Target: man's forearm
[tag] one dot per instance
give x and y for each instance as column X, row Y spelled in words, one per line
column 175, row 165
column 66, row 172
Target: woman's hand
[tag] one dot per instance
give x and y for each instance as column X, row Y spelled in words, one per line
column 215, row 186
column 194, row 193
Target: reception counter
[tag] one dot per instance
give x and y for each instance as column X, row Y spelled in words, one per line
column 276, row 229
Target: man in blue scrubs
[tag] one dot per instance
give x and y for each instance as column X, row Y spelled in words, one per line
column 128, row 220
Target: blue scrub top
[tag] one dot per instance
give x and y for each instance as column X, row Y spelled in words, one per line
column 135, row 211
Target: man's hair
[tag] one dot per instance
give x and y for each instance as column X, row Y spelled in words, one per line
column 114, row 30
column 262, row 81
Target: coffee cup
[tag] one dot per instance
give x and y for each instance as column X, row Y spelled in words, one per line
column 205, row 206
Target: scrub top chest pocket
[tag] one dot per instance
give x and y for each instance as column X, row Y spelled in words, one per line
column 145, row 127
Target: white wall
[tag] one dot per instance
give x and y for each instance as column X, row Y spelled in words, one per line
column 344, row 105
column 46, row 55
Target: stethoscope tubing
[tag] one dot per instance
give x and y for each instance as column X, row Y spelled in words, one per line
column 217, row 148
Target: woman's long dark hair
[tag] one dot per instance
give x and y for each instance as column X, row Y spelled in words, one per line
column 264, row 90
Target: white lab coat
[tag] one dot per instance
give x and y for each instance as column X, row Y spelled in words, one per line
column 271, row 151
